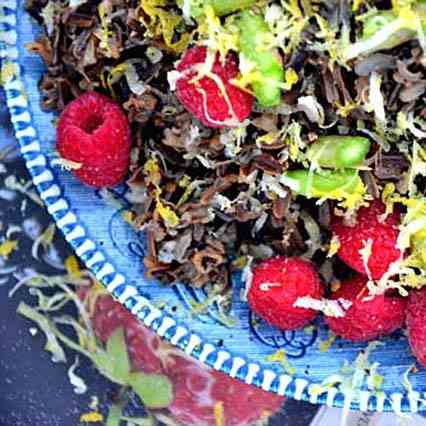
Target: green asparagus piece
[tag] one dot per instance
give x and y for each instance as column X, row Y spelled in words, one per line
column 319, row 184
column 254, row 36
column 339, row 151
column 388, row 29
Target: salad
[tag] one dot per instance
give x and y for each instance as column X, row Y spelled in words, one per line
column 282, row 138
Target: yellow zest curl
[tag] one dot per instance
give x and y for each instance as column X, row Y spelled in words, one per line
column 7, row 247
column 72, row 267
column 163, row 23
column 92, row 417
column 167, row 214
column 290, row 78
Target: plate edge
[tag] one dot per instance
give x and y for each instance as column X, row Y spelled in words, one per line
column 97, row 261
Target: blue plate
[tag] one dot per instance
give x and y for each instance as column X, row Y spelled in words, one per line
column 114, row 252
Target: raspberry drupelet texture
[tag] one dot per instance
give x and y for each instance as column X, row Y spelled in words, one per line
column 416, row 324
column 383, row 236
column 277, row 283
column 213, row 98
column 94, row 133
column 368, row 317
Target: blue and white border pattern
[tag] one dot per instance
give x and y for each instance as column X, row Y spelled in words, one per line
column 115, row 282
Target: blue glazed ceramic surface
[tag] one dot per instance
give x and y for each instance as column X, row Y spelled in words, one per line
column 114, row 252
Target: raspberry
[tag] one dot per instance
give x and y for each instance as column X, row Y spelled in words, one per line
column 277, row 284
column 366, row 319
column 383, row 235
column 198, row 389
column 416, row 325
column 94, row 132
column 213, row 99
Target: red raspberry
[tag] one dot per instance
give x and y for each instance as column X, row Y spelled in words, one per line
column 94, row 132
column 416, row 324
column 366, row 319
column 368, row 226
column 198, row 389
column 277, row 284
column 216, row 102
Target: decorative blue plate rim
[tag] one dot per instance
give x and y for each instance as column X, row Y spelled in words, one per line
column 96, row 259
